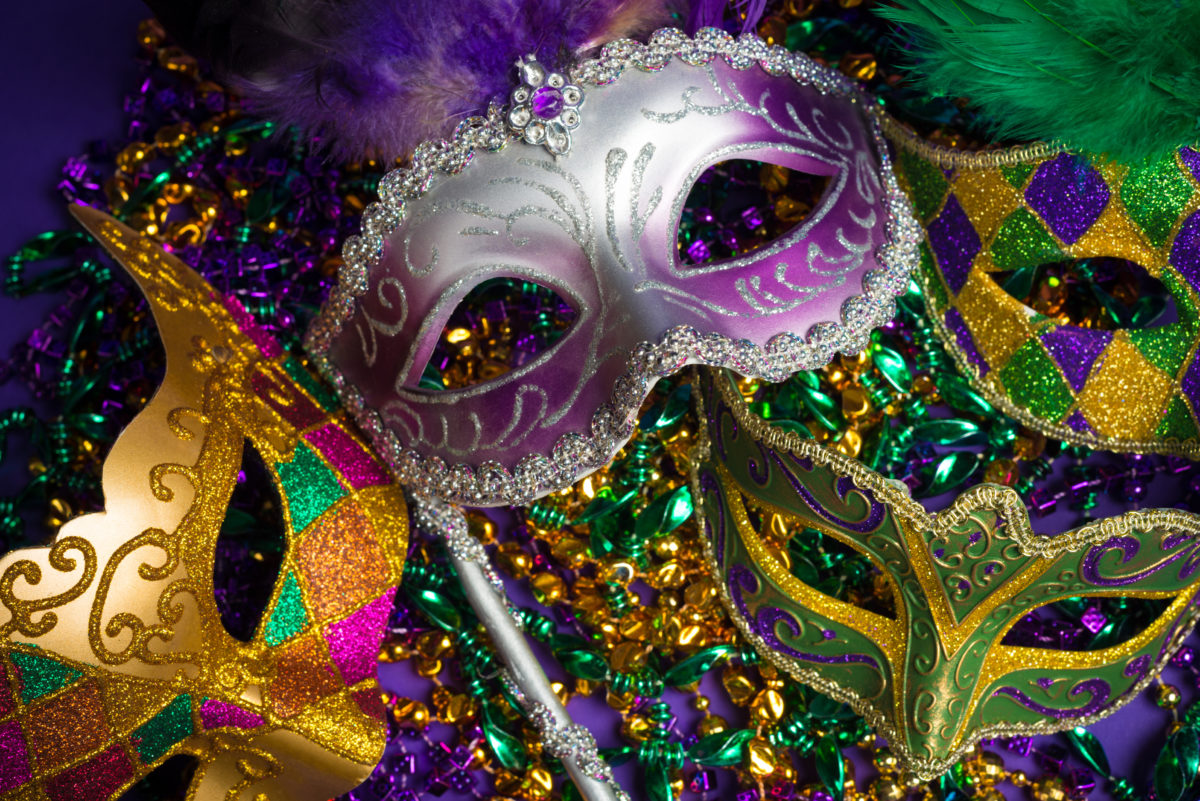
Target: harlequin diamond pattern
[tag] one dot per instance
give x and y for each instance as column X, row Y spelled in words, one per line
column 1062, row 378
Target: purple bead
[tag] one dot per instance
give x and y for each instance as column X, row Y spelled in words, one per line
column 1183, row 657
column 1080, row 783
column 752, row 218
column 698, row 251
column 547, row 102
column 1019, row 745
column 1051, row 758
column 1093, row 619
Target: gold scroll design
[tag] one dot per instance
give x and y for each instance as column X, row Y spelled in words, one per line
column 164, row 640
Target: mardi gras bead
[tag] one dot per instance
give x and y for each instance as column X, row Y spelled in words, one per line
column 933, row 674
column 597, row 224
column 114, row 653
column 1129, row 389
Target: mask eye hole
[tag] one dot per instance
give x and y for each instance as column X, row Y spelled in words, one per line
column 1085, row 624
column 1100, row 293
column 169, row 780
column 249, row 548
column 738, row 206
column 501, row 325
column 822, row 562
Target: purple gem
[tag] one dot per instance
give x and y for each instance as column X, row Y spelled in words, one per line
column 1093, row 619
column 752, row 217
column 829, row 634
column 1183, row 657
column 1075, row 350
column 939, row 553
column 1069, row 195
column 547, row 102
column 955, row 243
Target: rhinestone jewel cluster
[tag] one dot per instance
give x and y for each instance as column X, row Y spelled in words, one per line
column 578, row 453
column 545, row 107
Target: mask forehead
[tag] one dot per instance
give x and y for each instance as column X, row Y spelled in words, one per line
column 935, row 675
column 1127, row 389
column 115, row 652
column 599, row 227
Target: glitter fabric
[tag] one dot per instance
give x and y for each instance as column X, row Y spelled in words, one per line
column 962, row 335
column 1068, row 194
column 289, row 617
column 266, row 344
column 216, row 714
column 1075, row 350
column 1154, row 196
column 351, row 640
column 101, row 710
column 156, row 736
column 1191, row 160
column 1110, row 389
column 309, row 486
column 350, row 459
column 67, row 726
column 339, row 560
column 99, row 777
column 40, row 675
column 955, row 243
column 14, row 759
column 305, row 676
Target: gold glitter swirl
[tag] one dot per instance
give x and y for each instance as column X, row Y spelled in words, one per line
column 22, row 610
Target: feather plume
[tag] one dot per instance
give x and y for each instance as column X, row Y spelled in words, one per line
column 1114, row 77
column 375, row 77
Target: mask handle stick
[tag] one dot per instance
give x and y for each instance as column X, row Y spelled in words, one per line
column 561, row 736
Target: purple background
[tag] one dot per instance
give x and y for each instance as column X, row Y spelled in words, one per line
column 66, row 67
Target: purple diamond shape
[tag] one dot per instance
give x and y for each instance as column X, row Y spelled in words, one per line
column 1185, row 252
column 1191, row 160
column 1076, row 350
column 1077, row 422
column 1191, row 382
column 14, row 759
column 1069, row 195
column 954, row 242
column 962, row 334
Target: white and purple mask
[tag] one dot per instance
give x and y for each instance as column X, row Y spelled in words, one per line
column 578, row 186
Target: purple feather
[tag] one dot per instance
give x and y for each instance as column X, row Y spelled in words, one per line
column 378, row 76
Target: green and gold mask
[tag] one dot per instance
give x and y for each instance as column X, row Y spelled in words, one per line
column 933, row 673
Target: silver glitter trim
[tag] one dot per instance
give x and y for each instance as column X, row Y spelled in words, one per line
column 580, row 452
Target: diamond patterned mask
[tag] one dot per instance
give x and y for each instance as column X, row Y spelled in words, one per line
column 598, row 226
column 934, row 675
column 114, row 655
column 1129, row 389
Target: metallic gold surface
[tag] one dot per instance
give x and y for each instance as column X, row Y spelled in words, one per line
column 112, row 633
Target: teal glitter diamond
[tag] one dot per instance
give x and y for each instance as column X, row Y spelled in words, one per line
column 289, row 617
column 309, row 487
column 156, row 736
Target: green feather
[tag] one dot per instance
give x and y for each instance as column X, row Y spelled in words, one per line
column 1114, row 77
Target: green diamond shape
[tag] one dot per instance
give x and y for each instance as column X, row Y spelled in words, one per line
column 309, row 487
column 931, row 278
column 156, row 736
column 1023, row 241
column 1017, row 174
column 927, row 184
column 1034, row 381
column 289, row 617
column 1154, row 195
column 1177, row 423
column 1166, row 347
column 41, row 675
column 1185, row 301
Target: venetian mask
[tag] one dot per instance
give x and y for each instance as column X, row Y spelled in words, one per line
column 1128, row 389
column 578, row 187
column 114, row 654
column 934, row 673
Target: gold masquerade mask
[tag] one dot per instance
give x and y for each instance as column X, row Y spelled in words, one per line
column 1128, row 389
column 933, row 674
column 115, row 657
